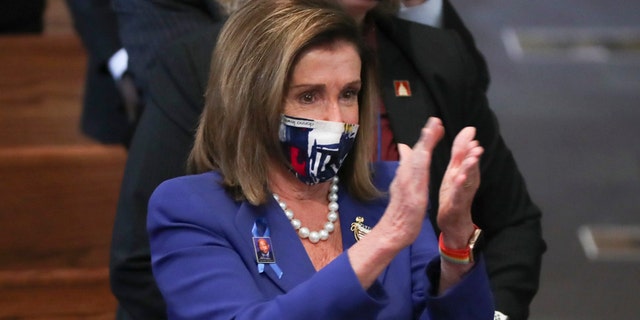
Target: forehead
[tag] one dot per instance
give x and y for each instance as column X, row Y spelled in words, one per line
column 328, row 55
column 331, row 45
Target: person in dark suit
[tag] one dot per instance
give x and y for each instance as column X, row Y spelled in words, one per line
column 302, row 84
column 107, row 98
column 146, row 26
column 447, row 77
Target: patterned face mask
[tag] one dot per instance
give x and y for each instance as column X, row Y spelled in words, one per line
column 315, row 149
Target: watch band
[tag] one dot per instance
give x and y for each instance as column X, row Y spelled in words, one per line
column 460, row 256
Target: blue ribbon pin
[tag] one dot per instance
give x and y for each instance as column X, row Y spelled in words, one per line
column 259, row 224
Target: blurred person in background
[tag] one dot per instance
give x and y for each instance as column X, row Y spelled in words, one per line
column 110, row 97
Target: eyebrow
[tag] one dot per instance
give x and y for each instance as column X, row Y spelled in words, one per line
column 352, row 83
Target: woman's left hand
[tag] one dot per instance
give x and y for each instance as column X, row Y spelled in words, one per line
column 459, row 185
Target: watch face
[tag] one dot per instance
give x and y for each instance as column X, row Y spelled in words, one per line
column 475, row 243
column 475, row 240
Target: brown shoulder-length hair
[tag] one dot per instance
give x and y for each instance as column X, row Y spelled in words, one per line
column 250, row 73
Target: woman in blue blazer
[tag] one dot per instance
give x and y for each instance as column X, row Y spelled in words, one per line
column 280, row 158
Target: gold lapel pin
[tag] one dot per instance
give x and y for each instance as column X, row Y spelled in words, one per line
column 359, row 228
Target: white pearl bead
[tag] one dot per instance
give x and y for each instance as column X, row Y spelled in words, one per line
column 303, row 232
column 288, row 213
column 332, row 216
column 329, row 226
column 314, row 237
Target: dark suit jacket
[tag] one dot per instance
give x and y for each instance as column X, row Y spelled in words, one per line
column 146, row 26
column 158, row 151
column 212, row 273
column 103, row 114
column 449, row 83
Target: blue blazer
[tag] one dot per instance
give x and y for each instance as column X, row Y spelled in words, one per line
column 205, row 265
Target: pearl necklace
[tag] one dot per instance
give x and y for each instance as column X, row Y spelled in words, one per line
column 332, row 216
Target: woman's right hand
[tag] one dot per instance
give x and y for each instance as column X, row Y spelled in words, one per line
column 409, row 190
column 401, row 223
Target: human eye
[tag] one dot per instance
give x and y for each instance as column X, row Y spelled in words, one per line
column 350, row 94
column 307, row 97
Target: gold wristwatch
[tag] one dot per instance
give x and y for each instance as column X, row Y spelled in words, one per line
column 474, row 243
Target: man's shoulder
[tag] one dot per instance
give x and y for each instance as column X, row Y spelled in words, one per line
column 179, row 77
column 194, row 45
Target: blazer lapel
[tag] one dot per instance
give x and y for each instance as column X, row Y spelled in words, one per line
column 290, row 255
column 289, row 252
column 350, row 209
